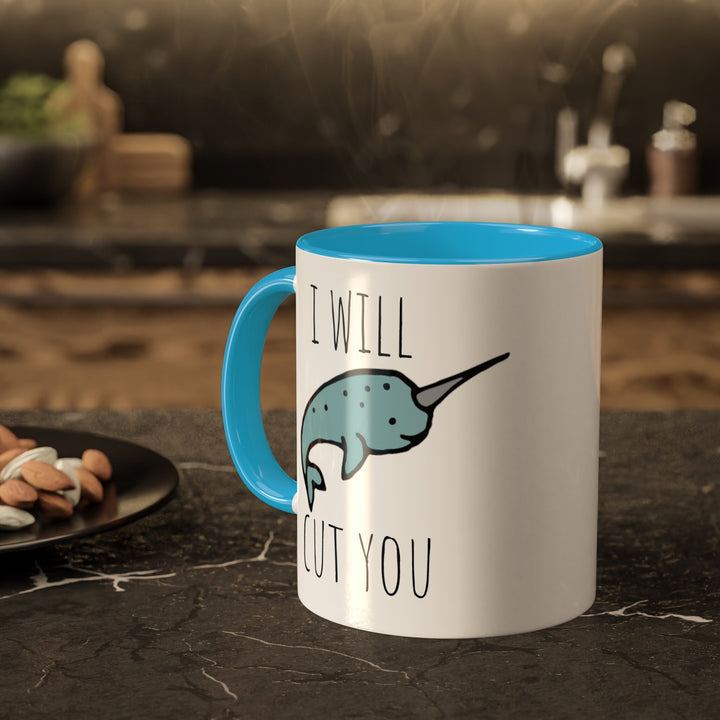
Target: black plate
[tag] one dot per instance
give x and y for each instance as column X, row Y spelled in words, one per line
column 142, row 482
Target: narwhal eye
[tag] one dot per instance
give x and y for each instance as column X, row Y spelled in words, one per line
column 392, row 421
column 386, row 386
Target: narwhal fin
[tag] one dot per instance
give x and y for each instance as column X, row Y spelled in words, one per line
column 314, row 480
column 355, row 452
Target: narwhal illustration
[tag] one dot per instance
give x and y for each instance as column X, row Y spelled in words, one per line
column 372, row 412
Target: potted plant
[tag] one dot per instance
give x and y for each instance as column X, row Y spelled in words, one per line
column 42, row 149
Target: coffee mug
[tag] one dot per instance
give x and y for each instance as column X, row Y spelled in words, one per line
column 448, row 381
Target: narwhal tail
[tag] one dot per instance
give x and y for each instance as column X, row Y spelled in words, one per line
column 314, row 480
column 430, row 395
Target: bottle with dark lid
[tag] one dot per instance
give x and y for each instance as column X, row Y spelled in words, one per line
column 672, row 156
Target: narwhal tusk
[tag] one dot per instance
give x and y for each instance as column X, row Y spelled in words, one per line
column 430, row 395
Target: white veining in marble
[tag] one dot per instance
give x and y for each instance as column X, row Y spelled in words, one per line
column 40, row 580
column 623, row 612
column 223, row 685
column 206, row 466
column 373, row 665
column 208, row 675
column 45, row 673
column 261, row 557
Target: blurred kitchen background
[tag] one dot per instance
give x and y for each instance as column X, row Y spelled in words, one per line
column 159, row 156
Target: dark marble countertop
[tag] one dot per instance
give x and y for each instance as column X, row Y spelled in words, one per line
column 191, row 612
column 192, row 231
column 211, row 229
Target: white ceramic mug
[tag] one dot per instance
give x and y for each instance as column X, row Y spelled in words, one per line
column 447, row 415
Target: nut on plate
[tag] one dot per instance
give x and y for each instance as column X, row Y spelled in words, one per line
column 97, row 462
column 8, row 439
column 13, row 468
column 54, row 506
column 69, row 466
column 8, row 455
column 91, row 489
column 14, row 518
column 17, row 493
column 43, row 476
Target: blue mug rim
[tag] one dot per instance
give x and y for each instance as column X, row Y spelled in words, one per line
column 449, row 243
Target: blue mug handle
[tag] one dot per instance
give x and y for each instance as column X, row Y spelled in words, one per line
column 242, row 415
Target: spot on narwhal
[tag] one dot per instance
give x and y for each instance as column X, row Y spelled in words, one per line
column 372, row 412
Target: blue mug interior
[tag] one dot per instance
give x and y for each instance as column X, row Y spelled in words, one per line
column 449, row 243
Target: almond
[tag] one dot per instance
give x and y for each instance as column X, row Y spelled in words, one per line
column 27, row 443
column 44, row 476
column 68, row 466
column 9, row 455
column 8, row 439
column 17, row 493
column 12, row 469
column 54, row 506
column 90, row 487
column 97, row 462
column 13, row 518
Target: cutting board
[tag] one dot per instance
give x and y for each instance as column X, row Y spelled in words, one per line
column 145, row 162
